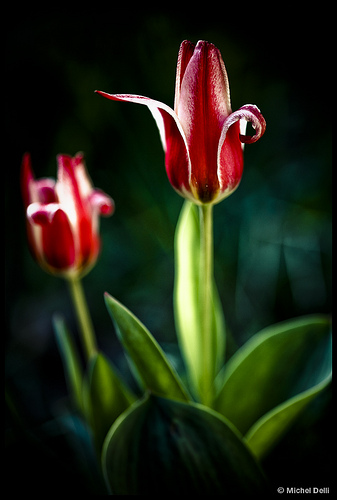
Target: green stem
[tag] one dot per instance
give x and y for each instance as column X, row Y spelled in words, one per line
column 83, row 317
column 206, row 302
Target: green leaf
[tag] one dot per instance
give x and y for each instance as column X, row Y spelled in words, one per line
column 106, row 397
column 267, row 431
column 160, row 446
column 71, row 361
column 187, row 298
column 149, row 359
column 273, row 377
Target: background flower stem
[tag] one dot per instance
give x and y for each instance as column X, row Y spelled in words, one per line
column 83, row 317
column 205, row 291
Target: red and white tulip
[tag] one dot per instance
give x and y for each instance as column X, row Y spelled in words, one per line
column 63, row 216
column 202, row 138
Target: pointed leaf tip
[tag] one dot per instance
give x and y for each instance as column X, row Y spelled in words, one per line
column 149, row 360
column 106, row 396
column 263, row 392
column 70, row 359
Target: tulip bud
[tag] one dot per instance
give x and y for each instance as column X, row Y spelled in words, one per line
column 62, row 216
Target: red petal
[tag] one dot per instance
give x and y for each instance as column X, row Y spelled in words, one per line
column 252, row 114
column 74, row 205
column 45, row 190
column 185, row 53
column 86, row 238
column 40, row 190
column 230, row 161
column 81, row 175
column 230, row 152
column 101, row 202
column 172, row 135
column 67, row 187
column 176, row 157
column 203, row 106
column 41, row 213
column 26, row 178
column 58, row 242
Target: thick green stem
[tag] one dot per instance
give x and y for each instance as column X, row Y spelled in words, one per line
column 206, row 302
column 83, row 317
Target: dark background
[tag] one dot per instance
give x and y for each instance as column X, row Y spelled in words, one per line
column 272, row 236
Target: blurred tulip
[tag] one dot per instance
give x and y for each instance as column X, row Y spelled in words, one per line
column 63, row 217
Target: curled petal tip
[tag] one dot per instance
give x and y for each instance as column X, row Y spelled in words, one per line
column 252, row 114
column 102, row 202
column 249, row 113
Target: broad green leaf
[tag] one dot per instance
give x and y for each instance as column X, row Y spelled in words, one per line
column 267, row 431
column 187, row 298
column 273, row 376
column 160, row 446
column 106, row 397
column 149, row 359
column 71, row 361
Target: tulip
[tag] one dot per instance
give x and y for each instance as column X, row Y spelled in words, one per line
column 202, row 138
column 63, row 217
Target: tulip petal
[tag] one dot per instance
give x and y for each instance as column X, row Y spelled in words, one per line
column 185, row 53
column 42, row 213
column 230, row 160
column 156, row 108
column 250, row 113
column 102, row 202
column 45, row 189
column 58, row 242
column 27, row 179
column 40, row 190
column 75, row 204
column 230, row 149
column 89, row 241
column 177, row 161
column 81, row 175
column 67, row 188
column 203, row 106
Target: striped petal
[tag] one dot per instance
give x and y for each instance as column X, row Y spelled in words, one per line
column 230, row 148
column 177, row 159
column 202, row 109
column 249, row 113
column 58, row 242
column 101, row 202
column 184, row 56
